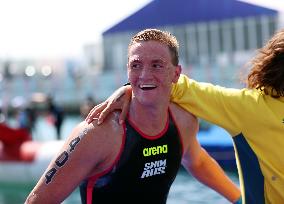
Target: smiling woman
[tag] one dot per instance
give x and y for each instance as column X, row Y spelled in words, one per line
column 152, row 66
column 109, row 152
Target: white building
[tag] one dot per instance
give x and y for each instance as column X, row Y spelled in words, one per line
column 217, row 37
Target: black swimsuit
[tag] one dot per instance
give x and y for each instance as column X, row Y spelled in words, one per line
column 144, row 172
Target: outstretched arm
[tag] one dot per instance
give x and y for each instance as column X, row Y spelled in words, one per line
column 204, row 168
column 197, row 161
column 207, row 171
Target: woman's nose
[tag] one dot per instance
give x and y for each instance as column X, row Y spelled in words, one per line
column 145, row 72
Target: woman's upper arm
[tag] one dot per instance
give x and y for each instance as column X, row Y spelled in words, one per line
column 215, row 104
column 73, row 163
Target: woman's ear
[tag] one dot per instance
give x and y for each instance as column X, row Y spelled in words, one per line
column 177, row 73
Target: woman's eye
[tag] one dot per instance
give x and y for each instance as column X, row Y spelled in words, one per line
column 135, row 66
column 157, row 66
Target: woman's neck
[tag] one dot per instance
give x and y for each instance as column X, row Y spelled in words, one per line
column 150, row 119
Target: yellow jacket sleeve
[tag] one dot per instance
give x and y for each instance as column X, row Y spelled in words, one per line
column 226, row 107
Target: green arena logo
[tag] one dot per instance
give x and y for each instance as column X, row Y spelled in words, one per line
column 161, row 149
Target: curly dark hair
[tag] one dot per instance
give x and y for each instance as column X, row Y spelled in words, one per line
column 267, row 73
column 160, row 36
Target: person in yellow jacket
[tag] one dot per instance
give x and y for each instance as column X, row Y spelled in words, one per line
column 254, row 116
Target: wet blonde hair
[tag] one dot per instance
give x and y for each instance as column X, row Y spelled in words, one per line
column 267, row 73
column 160, row 36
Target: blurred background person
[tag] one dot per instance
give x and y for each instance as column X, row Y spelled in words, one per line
column 24, row 114
column 15, row 132
column 55, row 115
column 2, row 114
